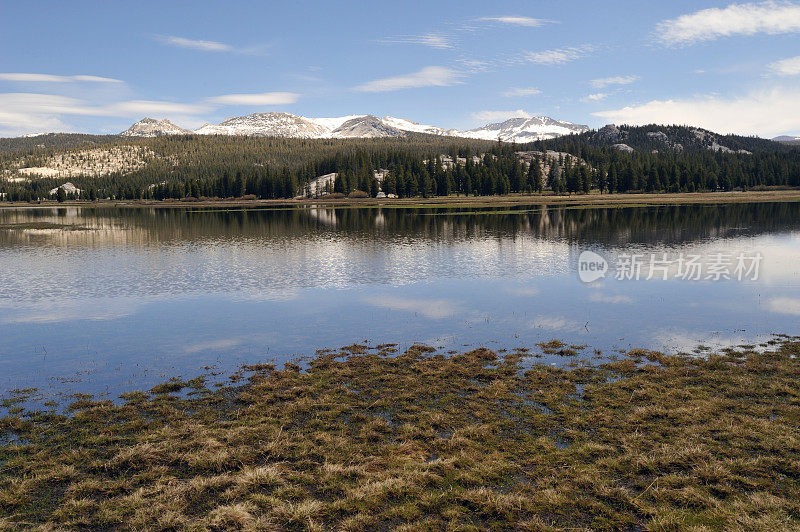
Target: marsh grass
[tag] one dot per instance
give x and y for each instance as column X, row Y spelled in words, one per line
column 370, row 438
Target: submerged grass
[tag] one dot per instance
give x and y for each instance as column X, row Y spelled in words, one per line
column 369, row 438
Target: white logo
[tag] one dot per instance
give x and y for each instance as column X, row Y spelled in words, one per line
column 591, row 266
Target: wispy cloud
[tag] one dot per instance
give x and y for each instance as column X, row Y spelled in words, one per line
column 786, row 67
column 523, row 91
column 614, row 80
column 498, row 116
column 196, row 44
column 431, row 40
column 735, row 19
column 596, row 97
column 25, row 112
column 766, row 112
column 432, row 76
column 207, row 46
column 53, row 78
column 516, row 20
column 558, row 56
column 264, row 98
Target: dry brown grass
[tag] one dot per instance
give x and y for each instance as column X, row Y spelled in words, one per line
column 370, row 439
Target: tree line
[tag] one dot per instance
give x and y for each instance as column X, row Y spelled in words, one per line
column 422, row 165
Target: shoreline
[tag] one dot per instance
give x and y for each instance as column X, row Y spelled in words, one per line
column 588, row 200
column 369, row 437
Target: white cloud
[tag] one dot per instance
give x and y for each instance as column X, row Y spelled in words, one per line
column 785, row 305
column 476, row 66
column 735, row 19
column 527, row 91
column 765, row 112
column 28, row 102
column 596, row 97
column 432, row 76
column 517, row 21
column 208, row 46
column 96, row 79
column 196, row 44
column 498, row 116
column 786, row 67
column 558, row 56
column 13, row 124
column 615, row 80
column 52, row 78
column 25, row 112
column 265, row 98
column 430, row 308
column 431, row 40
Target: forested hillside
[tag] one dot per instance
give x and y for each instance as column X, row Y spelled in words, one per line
column 613, row 159
column 51, row 141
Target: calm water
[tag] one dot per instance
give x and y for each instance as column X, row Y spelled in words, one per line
column 98, row 299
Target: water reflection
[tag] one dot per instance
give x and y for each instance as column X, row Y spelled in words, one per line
column 130, row 295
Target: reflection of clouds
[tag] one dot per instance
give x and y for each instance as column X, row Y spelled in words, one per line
column 522, row 291
column 260, row 296
column 430, row 308
column 555, row 323
column 687, row 341
column 784, row 305
column 598, row 297
column 780, row 256
column 48, row 311
column 224, row 343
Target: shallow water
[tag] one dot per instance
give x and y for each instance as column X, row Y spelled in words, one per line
column 114, row 299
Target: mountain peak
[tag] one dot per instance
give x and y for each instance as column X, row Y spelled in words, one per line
column 150, row 127
column 526, row 129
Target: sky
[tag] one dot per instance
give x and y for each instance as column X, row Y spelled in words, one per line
column 93, row 66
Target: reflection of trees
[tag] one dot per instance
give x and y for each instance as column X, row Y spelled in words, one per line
column 147, row 226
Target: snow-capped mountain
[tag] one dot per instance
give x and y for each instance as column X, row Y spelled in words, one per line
column 266, row 124
column 289, row 125
column 525, row 129
column 150, row 127
column 362, row 126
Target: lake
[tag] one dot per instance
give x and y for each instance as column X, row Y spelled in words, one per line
column 106, row 300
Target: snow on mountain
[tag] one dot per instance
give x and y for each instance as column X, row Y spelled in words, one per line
column 332, row 123
column 359, row 126
column 407, row 125
column 786, row 138
column 150, row 127
column 525, row 129
column 267, row 124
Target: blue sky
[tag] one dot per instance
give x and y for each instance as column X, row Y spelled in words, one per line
column 99, row 66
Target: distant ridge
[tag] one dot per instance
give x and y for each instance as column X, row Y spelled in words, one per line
column 275, row 124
